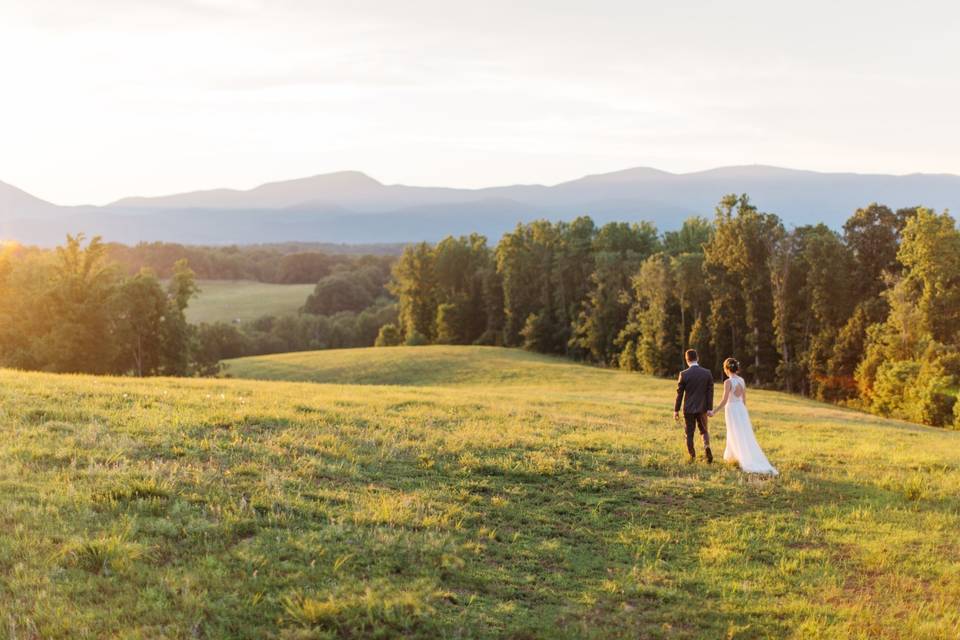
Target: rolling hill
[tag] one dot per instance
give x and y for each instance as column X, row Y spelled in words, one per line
column 352, row 207
column 458, row 492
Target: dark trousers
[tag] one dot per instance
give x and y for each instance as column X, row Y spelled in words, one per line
column 693, row 422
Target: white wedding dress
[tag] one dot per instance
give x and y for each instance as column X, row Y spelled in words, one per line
column 742, row 445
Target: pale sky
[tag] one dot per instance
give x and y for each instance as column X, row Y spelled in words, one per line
column 108, row 98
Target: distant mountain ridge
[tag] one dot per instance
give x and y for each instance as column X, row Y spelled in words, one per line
column 352, row 207
column 14, row 201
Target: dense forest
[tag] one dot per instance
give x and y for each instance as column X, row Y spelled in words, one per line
column 869, row 316
column 290, row 263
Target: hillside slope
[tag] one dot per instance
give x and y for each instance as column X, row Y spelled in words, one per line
column 433, row 365
column 508, row 495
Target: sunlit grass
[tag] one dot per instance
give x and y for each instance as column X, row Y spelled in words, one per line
column 458, row 492
column 232, row 300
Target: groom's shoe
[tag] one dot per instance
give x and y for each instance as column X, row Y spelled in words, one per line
column 709, row 456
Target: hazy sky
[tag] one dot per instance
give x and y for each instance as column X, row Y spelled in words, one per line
column 107, row 98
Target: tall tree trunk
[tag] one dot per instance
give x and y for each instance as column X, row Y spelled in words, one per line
column 683, row 331
column 788, row 381
column 139, row 356
column 756, row 355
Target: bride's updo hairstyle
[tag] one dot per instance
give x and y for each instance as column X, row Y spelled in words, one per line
column 731, row 365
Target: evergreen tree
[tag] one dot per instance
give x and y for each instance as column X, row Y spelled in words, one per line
column 460, row 265
column 653, row 318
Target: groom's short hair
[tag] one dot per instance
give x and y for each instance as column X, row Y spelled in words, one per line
column 691, row 355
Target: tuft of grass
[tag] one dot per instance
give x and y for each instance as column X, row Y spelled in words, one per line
column 104, row 555
column 383, row 612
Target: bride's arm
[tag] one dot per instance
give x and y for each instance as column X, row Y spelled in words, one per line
column 723, row 402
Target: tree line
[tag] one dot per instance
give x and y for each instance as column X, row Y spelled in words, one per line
column 91, row 308
column 867, row 316
column 72, row 311
column 291, row 263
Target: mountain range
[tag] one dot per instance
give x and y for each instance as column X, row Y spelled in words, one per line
column 352, row 207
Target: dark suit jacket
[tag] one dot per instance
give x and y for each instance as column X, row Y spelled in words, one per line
column 697, row 384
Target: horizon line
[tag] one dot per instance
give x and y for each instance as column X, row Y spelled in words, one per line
column 360, row 173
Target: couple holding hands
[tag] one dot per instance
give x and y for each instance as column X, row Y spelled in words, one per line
column 695, row 401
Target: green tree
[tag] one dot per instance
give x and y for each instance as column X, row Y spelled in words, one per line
column 177, row 334
column 911, row 366
column 738, row 268
column 653, row 318
column 526, row 260
column 389, row 336
column 450, row 324
column 341, row 291
column 811, row 275
column 930, row 254
column 872, row 235
column 787, row 278
column 141, row 307
column 216, row 342
column 619, row 250
column 574, row 266
column 692, row 237
column 690, row 291
column 493, row 310
column 76, row 334
column 461, row 264
column 414, row 284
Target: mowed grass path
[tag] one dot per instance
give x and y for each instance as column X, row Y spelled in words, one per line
column 497, row 495
column 230, row 300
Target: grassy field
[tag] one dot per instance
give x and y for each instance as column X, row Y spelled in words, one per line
column 229, row 300
column 443, row 492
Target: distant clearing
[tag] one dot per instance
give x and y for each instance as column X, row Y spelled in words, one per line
column 230, row 300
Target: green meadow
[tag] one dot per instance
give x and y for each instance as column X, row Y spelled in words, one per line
column 458, row 492
column 231, row 300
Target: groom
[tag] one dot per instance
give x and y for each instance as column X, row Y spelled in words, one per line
column 697, row 384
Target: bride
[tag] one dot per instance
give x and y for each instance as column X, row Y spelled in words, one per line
column 742, row 446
